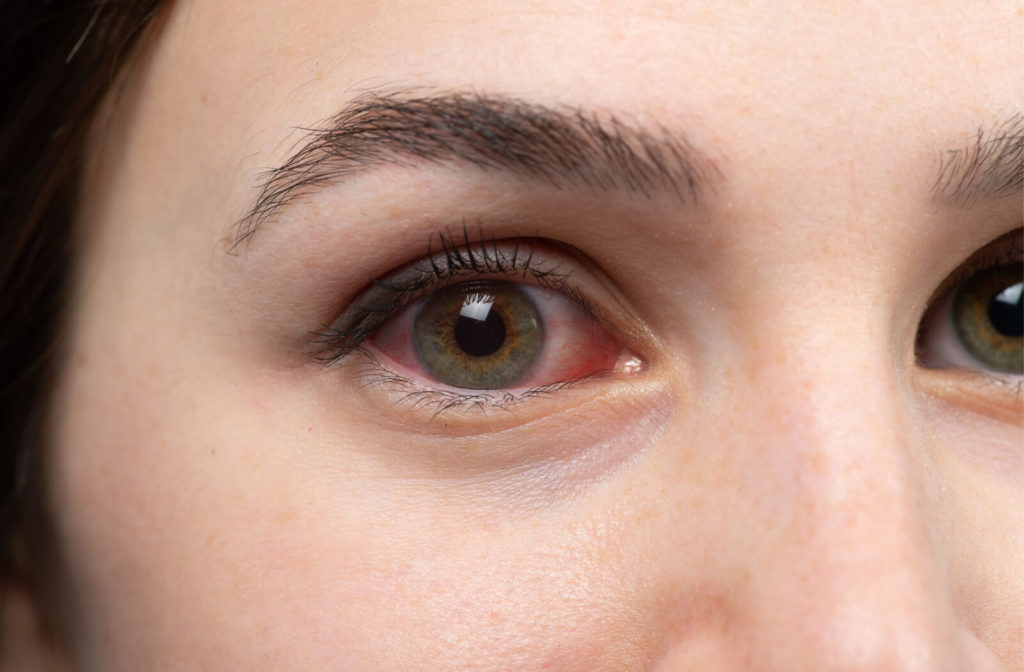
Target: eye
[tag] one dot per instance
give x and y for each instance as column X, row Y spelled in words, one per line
column 978, row 323
column 495, row 321
column 496, row 335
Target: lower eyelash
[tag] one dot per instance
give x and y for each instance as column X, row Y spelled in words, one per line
column 373, row 373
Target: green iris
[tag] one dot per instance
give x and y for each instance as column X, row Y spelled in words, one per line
column 989, row 320
column 478, row 335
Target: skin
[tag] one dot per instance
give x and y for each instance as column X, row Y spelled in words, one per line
column 781, row 487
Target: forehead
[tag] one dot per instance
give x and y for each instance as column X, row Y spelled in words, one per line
column 256, row 70
column 785, row 97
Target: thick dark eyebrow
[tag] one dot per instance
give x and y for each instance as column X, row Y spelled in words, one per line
column 564, row 146
column 989, row 166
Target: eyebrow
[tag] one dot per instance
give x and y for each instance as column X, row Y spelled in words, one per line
column 989, row 166
column 564, row 146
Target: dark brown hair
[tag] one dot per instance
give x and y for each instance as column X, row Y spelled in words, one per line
column 59, row 61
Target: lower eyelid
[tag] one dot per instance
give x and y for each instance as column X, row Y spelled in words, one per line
column 990, row 396
column 548, row 452
column 392, row 400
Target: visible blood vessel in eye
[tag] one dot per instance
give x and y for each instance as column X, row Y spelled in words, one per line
column 575, row 344
column 582, row 349
column 395, row 338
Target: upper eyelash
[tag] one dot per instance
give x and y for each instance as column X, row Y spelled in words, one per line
column 385, row 296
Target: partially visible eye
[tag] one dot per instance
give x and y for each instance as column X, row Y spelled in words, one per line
column 988, row 317
column 979, row 322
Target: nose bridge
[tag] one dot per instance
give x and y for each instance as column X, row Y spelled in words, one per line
column 843, row 574
column 823, row 554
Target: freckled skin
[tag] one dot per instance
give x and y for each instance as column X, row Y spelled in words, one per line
column 780, row 488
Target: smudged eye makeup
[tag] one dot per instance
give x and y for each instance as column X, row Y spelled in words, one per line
column 491, row 322
column 977, row 321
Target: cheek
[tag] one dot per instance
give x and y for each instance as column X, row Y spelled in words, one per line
column 500, row 599
column 127, row 484
column 212, row 535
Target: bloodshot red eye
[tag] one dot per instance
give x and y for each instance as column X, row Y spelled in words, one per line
column 494, row 335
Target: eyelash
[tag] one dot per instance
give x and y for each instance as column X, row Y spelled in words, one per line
column 374, row 373
column 452, row 260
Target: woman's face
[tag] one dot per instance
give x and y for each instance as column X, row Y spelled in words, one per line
column 710, row 404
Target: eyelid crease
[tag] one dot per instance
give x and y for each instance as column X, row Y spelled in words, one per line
column 511, row 258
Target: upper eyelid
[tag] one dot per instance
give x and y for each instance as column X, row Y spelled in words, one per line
column 516, row 257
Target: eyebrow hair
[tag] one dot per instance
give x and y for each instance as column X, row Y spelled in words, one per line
column 990, row 165
column 564, row 146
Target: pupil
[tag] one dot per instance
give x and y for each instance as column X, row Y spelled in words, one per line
column 1006, row 311
column 479, row 331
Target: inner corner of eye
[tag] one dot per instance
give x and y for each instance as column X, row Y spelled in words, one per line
column 630, row 363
